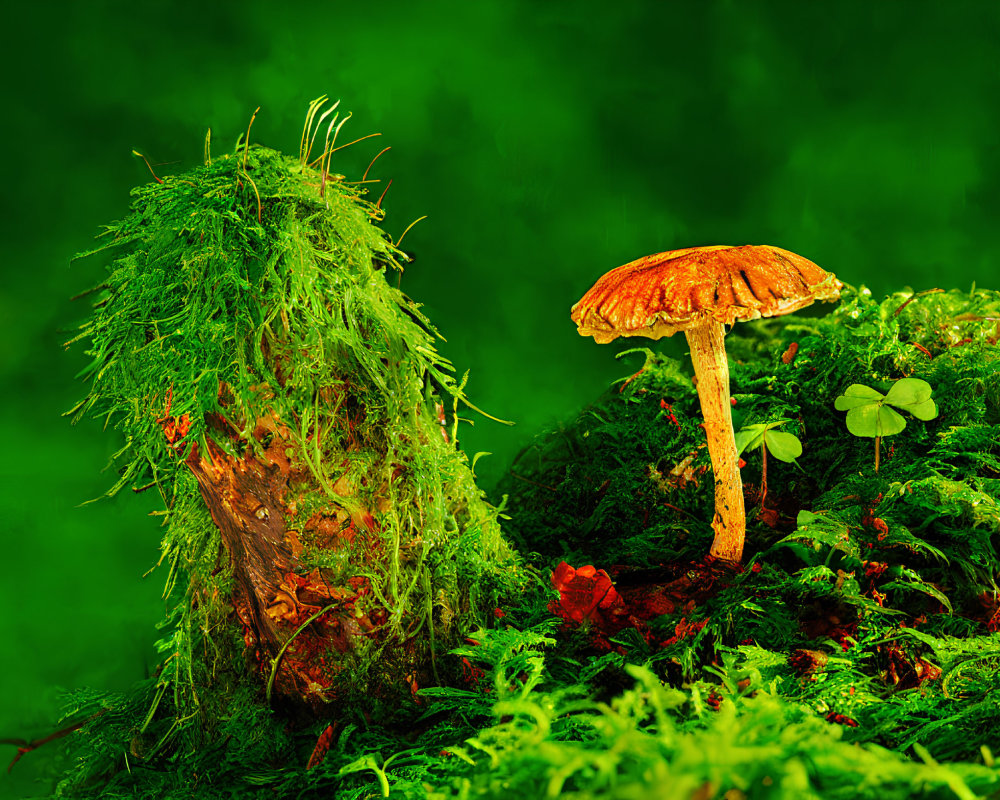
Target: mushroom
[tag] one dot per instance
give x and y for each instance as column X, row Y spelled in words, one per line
column 700, row 290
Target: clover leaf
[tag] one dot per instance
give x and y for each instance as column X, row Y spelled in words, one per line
column 914, row 396
column 783, row 446
column 869, row 413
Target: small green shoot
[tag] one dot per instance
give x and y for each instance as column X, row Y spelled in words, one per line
column 868, row 412
column 783, row 446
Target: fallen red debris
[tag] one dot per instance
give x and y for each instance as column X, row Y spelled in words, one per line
column 670, row 413
column 806, row 662
column 471, row 674
column 584, row 592
column 322, row 747
column 589, row 594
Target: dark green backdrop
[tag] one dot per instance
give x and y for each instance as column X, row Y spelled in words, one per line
column 546, row 141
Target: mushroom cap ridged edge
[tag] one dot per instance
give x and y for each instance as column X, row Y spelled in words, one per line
column 661, row 294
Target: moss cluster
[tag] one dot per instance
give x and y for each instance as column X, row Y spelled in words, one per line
column 625, row 482
column 328, row 550
column 871, row 595
column 324, row 539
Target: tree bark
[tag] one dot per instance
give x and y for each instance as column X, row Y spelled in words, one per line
column 246, row 501
column 246, row 496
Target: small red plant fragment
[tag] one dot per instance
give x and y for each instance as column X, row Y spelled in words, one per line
column 582, row 592
column 670, row 413
column 174, row 428
column 322, row 747
column 684, row 630
column 411, row 681
column 471, row 674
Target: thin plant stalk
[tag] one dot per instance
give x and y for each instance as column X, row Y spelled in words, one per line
column 763, row 480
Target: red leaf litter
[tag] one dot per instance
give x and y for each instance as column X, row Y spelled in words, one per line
column 584, row 593
column 322, row 746
column 588, row 598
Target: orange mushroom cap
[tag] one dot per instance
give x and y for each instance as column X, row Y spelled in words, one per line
column 662, row 294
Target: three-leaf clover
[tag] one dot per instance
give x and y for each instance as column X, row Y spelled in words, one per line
column 783, row 446
column 869, row 413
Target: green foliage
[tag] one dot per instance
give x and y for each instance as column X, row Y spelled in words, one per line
column 821, row 530
column 783, row 446
column 888, row 576
column 653, row 740
column 868, row 412
column 855, row 656
column 246, row 301
column 600, row 485
column 743, row 726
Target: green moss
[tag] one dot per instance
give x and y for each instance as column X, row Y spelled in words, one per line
column 890, row 573
column 855, row 656
column 323, row 538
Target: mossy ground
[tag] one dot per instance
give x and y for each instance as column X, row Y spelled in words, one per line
column 830, row 667
column 867, row 597
column 854, row 656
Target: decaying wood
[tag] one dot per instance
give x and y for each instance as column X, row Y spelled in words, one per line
column 246, row 500
column 291, row 619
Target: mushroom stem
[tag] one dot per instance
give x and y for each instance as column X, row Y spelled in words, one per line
column 708, row 353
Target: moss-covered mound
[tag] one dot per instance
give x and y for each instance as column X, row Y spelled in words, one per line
column 869, row 595
column 628, row 481
column 855, row 656
column 324, row 539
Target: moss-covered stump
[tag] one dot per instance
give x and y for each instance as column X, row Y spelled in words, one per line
column 289, row 405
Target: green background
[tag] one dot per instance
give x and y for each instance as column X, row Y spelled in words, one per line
column 546, row 141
